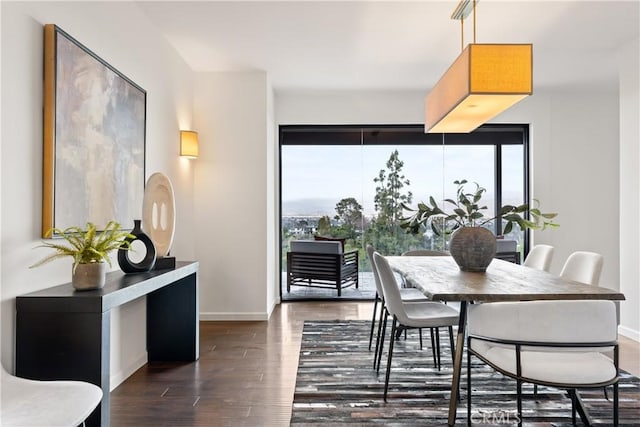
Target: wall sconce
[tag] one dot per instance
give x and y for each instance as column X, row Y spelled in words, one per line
column 189, row 144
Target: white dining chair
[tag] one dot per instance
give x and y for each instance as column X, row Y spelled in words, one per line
column 407, row 294
column 539, row 257
column 553, row 343
column 409, row 315
column 425, row 252
column 31, row 403
column 583, row 267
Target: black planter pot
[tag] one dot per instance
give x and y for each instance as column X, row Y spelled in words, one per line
column 149, row 260
column 473, row 248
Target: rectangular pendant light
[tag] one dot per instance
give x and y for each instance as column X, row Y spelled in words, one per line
column 484, row 80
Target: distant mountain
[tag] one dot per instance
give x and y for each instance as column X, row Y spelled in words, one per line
column 309, row 207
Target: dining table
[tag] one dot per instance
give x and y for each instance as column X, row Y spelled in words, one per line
column 440, row 279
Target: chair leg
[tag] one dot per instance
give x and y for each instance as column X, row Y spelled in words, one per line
column 519, row 399
column 389, row 357
column 383, row 310
column 438, row 346
column 433, row 348
column 572, row 394
column 468, row 384
column 420, row 332
column 615, row 405
column 373, row 320
column 384, row 330
column 453, row 351
column 606, row 395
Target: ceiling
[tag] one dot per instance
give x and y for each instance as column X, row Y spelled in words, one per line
column 391, row 45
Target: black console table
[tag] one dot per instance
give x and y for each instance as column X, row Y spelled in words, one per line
column 63, row 334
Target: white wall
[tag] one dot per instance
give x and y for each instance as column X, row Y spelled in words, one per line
column 349, row 107
column 106, row 28
column 0, row 198
column 574, row 154
column 234, row 217
column 629, row 60
column 273, row 209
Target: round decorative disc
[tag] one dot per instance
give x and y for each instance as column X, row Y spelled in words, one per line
column 158, row 212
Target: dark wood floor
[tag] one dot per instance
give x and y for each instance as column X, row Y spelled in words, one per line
column 246, row 373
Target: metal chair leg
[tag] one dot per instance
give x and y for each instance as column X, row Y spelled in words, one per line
column 383, row 310
column 519, row 398
column 384, row 330
column 433, row 348
column 438, row 347
column 390, row 356
column 453, row 350
column 373, row 320
column 615, row 405
column 468, row 383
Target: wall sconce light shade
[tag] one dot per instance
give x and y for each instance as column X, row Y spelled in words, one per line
column 484, row 80
column 189, row 144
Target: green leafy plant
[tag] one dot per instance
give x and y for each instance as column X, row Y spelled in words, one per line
column 466, row 211
column 86, row 245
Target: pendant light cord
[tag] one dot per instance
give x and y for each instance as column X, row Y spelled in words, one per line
column 462, row 28
column 474, row 21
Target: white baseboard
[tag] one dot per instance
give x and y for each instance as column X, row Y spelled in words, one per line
column 209, row 316
column 629, row 333
column 119, row 377
column 274, row 303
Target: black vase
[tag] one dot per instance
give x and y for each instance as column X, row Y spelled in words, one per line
column 149, row 260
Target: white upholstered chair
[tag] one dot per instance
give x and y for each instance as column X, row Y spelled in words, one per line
column 553, row 343
column 539, row 257
column 425, row 252
column 30, row 403
column 583, row 267
column 407, row 294
column 408, row 315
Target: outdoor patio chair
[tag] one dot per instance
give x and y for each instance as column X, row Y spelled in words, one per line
column 321, row 264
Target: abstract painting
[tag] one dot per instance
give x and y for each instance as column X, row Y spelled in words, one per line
column 94, row 138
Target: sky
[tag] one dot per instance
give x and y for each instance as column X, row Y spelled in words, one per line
column 319, row 176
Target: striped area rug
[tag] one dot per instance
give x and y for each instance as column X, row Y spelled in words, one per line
column 336, row 385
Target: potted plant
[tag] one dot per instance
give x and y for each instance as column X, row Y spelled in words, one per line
column 90, row 252
column 472, row 245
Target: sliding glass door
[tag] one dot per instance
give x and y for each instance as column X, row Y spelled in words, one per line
column 353, row 182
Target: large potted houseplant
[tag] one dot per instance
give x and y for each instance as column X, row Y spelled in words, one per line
column 472, row 245
column 89, row 249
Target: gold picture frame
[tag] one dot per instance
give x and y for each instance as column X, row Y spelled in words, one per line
column 94, row 136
